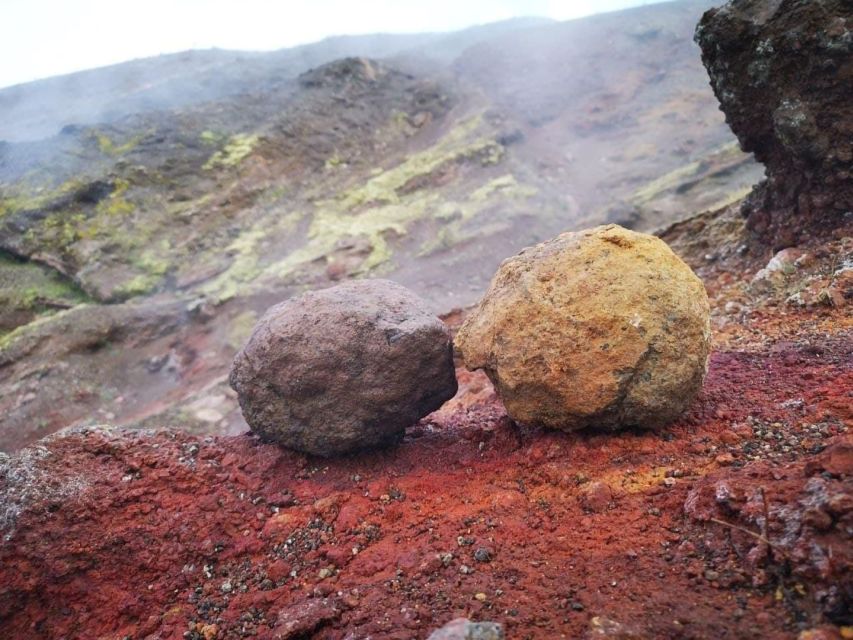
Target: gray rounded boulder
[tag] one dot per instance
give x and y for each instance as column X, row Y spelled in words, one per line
column 344, row 368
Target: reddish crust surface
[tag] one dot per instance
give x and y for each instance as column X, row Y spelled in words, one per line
column 173, row 533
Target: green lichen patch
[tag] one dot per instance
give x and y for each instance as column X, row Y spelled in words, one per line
column 386, row 206
column 666, row 182
column 28, row 290
column 240, row 328
column 334, row 161
column 469, row 141
column 20, row 334
column 457, row 215
column 245, row 251
column 57, row 232
column 505, row 186
column 138, row 285
column 150, row 265
column 719, row 178
column 56, row 219
column 118, row 233
column 109, row 147
column 235, row 150
column 116, row 204
column 677, row 178
column 332, row 226
column 211, row 138
column 25, row 197
column 376, row 210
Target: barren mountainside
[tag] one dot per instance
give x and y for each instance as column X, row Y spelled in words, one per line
column 428, row 167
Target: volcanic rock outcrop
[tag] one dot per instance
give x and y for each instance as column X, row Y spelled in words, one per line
column 603, row 328
column 344, row 368
column 782, row 72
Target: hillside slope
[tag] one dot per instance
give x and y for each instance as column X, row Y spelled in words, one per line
column 40, row 109
column 426, row 167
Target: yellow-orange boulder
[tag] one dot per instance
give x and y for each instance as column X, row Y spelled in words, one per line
column 603, row 328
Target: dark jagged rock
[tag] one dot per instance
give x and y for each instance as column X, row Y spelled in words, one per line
column 344, row 368
column 782, row 71
column 340, row 72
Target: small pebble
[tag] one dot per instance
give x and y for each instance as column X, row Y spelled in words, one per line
column 483, row 555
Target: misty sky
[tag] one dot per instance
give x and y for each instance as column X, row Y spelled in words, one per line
column 41, row 38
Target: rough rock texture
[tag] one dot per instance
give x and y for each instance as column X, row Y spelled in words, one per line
column 602, row 328
column 820, row 508
column 344, row 368
column 464, row 629
column 782, row 72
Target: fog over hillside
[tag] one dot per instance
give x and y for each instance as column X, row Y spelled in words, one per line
column 194, row 189
column 36, row 33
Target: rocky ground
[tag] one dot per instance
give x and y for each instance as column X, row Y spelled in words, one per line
column 733, row 522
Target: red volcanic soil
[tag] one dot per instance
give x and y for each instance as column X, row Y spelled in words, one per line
column 732, row 523
column 165, row 535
